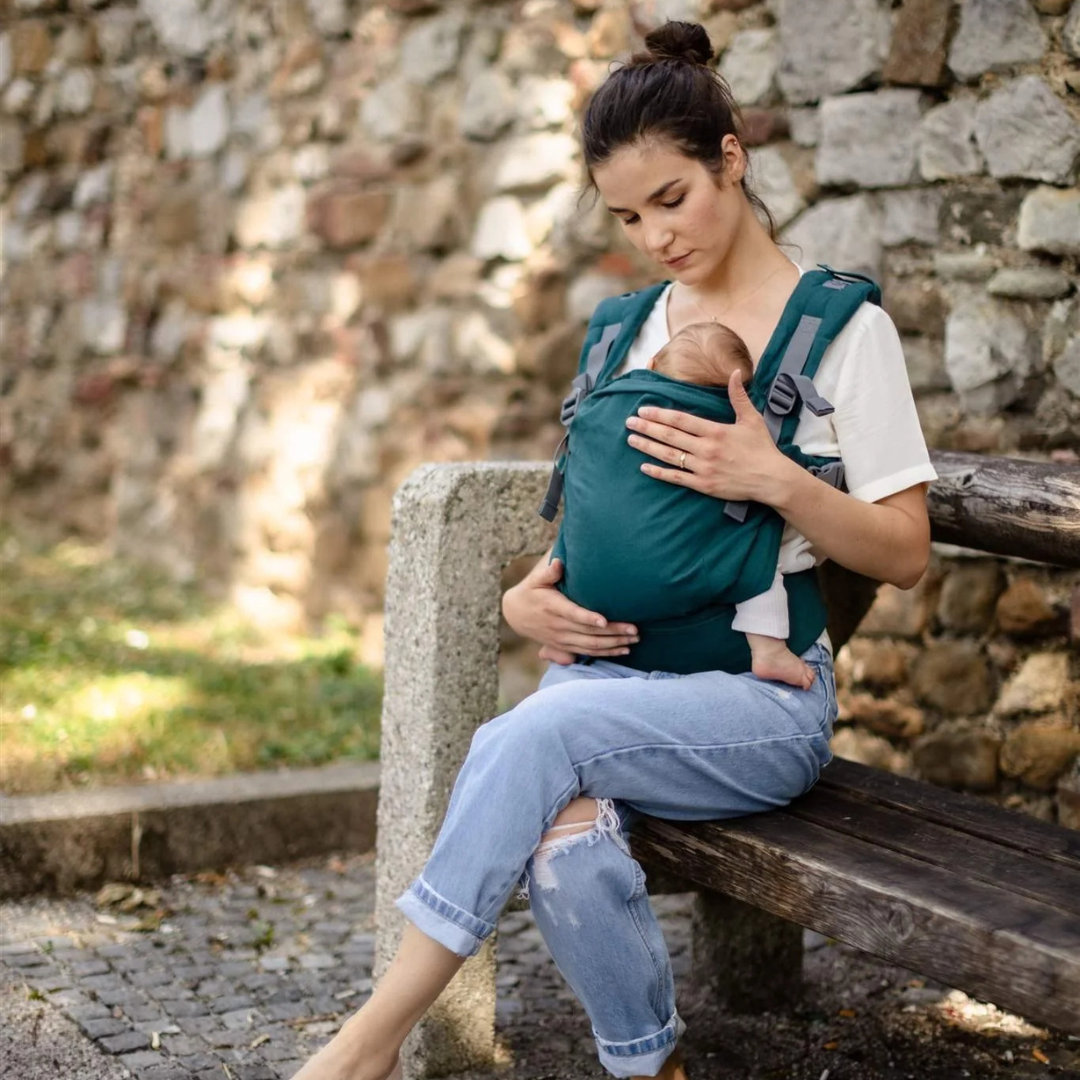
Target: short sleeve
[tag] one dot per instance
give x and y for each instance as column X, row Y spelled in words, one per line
column 876, row 424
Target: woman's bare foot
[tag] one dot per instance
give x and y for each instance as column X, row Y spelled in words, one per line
column 344, row 1058
column 773, row 660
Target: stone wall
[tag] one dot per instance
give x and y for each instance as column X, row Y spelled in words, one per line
column 263, row 258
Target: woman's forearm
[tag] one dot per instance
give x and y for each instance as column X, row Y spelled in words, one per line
column 887, row 540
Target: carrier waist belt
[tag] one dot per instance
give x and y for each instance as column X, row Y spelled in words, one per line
column 704, row 640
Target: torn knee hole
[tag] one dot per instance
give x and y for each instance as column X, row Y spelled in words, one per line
column 561, row 838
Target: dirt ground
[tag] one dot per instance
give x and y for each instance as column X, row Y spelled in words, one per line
column 860, row 1019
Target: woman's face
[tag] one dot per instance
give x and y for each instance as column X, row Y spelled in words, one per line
column 672, row 208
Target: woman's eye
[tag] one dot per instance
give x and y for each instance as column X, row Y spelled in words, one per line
column 631, row 220
column 676, row 202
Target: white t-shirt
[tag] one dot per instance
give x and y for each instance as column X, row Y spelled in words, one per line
column 875, row 428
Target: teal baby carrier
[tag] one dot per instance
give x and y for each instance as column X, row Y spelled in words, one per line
column 671, row 560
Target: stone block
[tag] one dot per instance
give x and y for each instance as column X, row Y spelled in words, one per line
column 883, row 716
column 959, row 756
column 910, row 217
column 974, row 217
column 1050, row 221
column 488, row 107
column 925, row 359
column 1068, row 793
column 917, row 55
column 60, row 843
column 954, row 677
column 393, row 110
column 1070, row 33
column 749, row 65
column 916, row 305
column 968, row 595
column 1023, row 610
column 1041, row 685
column 872, row 750
column 502, row 231
column 432, row 49
column 947, row 146
column 345, row 219
column 829, row 47
column 31, row 46
column 1025, row 131
column 869, row 139
column 442, row 630
column 903, row 613
column 1030, row 282
column 772, row 179
column 1038, row 753
column 536, row 161
column 993, row 34
column 842, row 232
column 987, row 348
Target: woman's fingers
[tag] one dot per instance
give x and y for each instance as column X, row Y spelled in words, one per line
column 670, row 454
column 670, row 418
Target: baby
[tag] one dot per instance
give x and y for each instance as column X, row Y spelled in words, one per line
column 707, row 354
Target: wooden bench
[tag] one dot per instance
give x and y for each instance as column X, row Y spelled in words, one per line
column 948, row 885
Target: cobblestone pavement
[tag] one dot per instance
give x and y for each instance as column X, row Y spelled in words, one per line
column 242, row 976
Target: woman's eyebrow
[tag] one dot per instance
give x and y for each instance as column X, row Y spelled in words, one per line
column 658, row 194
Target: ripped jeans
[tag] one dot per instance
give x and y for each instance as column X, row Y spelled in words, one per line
column 703, row 746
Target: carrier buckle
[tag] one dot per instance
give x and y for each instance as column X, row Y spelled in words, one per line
column 783, row 395
column 579, row 390
column 832, row 474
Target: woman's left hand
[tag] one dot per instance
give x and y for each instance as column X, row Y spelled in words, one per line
column 736, row 461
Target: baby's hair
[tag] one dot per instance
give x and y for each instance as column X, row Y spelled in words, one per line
column 705, row 353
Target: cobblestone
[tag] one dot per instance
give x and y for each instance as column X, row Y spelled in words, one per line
column 213, row 989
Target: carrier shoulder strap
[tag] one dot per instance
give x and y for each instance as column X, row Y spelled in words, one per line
column 612, row 330
column 821, row 306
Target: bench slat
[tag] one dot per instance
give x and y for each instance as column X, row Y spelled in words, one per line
column 965, row 813
column 1016, row 952
column 898, row 829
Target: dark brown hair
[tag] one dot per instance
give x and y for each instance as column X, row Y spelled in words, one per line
column 705, row 353
column 667, row 92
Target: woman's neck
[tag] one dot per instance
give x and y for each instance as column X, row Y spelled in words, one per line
column 752, row 258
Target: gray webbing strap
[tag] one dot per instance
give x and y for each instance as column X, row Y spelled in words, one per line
column 598, row 354
column 791, row 365
column 580, row 388
column 798, row 349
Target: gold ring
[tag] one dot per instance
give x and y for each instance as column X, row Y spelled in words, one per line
column 682, row 460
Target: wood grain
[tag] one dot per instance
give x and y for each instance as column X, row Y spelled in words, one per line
column 1016, row 952
column 965, row 813
column 1007, row 506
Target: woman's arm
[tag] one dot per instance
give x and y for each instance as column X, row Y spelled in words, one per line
column 536, row 609
column 888, row 540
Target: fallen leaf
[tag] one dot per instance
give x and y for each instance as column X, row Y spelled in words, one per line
column 1038, row 1055
column 258, row 1041
column 830, row 1045
column 848, row 1014
column 113, row 893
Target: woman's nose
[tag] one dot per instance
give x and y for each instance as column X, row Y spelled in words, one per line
column 658, row 239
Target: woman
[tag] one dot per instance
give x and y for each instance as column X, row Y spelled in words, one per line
column 548, row 787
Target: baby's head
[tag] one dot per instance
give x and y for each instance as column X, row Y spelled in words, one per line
column 704, row 353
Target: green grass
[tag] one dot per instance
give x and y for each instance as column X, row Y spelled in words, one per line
column 111, row 673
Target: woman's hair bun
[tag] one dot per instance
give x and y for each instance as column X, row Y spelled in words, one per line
column 680, row 41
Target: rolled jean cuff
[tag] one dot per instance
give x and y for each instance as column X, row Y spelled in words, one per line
column 640, row 1057
column 434, row 915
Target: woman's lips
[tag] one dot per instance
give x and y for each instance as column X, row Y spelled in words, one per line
column 679, row 261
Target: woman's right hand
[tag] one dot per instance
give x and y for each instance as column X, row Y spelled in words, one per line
column 536, row 609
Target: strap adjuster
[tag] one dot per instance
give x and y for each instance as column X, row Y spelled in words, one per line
column 579, row 390
column 783, row 395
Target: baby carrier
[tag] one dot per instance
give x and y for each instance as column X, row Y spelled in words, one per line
column 671, row 560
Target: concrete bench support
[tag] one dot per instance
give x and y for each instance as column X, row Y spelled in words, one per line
column 455, row 527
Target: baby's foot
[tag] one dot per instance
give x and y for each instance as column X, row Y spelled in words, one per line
column 773, row 660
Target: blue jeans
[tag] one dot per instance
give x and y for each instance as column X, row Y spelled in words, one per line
column 688, row 747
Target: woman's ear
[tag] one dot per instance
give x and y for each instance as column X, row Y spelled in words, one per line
column 735, row 160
